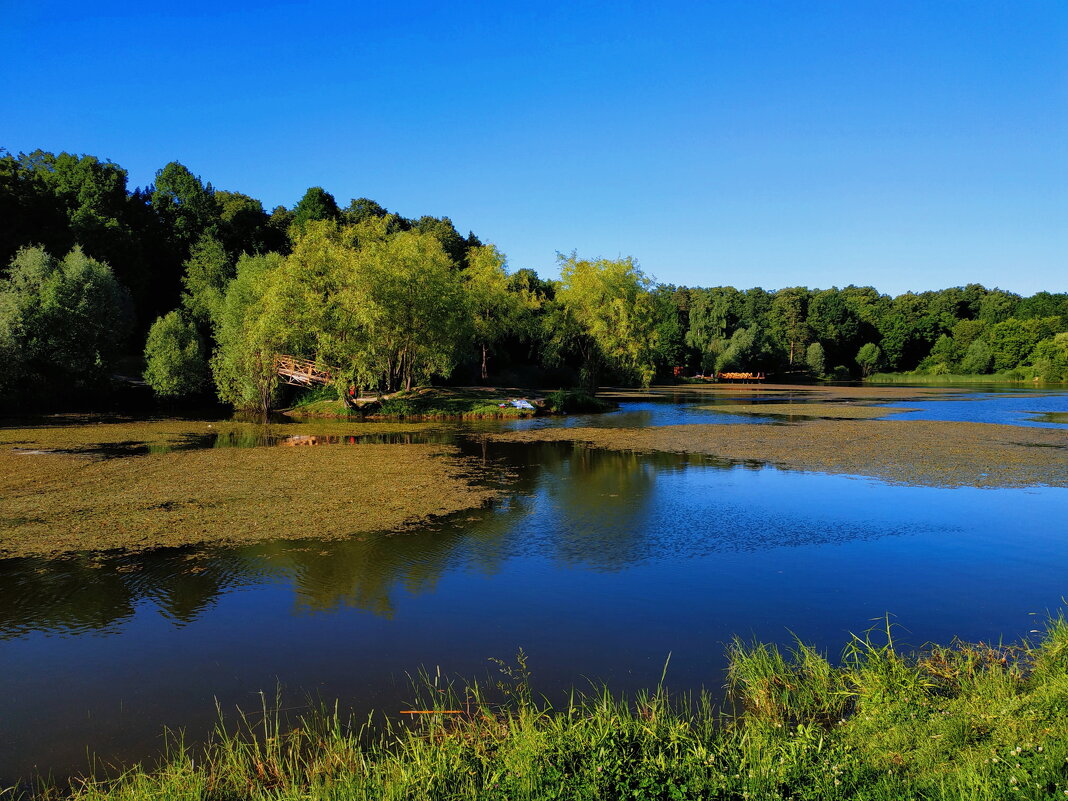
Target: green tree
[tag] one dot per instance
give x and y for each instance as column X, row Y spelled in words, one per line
column 317, row 204
column 816, row 359
column 1011, row 341
column 789, row 323
column 671, row 323
column 1043, row 304
column 361, row 209
column 978, row 359
column 245, row 226
column 386, row 309
column 1050, row 358
column 207, row 272
column 442, row 229
column 174, row 358
column 835, row 324
column 869, row 357
column 944, row 356
column 62, row 323
column 743, row 350
column 186, row 205
column 607, row 308
column 496, row 308
column 997, row 306
column 243, row 366
column 409, row 302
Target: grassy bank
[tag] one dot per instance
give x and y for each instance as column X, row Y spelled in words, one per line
column 1007, row 377
column 959, row 722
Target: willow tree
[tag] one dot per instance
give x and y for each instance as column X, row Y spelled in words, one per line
column 608, row 312
column 383, row 310
column 407, row 299
column 243, row 365
column 497, row 305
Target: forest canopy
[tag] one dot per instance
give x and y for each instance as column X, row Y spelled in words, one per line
column 198, row 289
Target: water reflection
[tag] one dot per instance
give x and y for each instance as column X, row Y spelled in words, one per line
column 87, row 593
column 577, row 507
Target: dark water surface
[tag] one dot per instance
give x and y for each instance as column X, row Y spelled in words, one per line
column 598, row 564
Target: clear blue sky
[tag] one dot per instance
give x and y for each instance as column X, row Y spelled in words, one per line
column 908, row 145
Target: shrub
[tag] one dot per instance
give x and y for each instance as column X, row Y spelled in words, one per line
column 174, row 361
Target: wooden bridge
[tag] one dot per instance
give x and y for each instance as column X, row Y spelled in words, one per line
column 740, row 376
column 301, row 372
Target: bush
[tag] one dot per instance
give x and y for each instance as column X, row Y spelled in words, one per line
column 174, row 361
column 569, row 401
column 816, row 359
column 979, row 359
column 62, row 323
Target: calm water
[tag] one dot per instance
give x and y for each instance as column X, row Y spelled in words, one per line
column 598, row 564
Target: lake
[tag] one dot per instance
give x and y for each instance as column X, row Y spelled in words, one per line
column 598, row 564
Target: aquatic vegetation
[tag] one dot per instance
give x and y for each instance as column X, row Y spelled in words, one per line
column 950, row 722
column 834, row 411
column 929, row 453
column 61, row 491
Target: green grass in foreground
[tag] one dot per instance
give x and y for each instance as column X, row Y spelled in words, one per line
column 960, row 722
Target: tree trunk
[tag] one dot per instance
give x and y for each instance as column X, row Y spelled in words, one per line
column 485, row 372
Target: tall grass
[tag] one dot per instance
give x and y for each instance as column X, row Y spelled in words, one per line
column 1006, row 377
column 951, row 722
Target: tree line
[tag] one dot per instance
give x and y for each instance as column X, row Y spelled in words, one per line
column 207, row 287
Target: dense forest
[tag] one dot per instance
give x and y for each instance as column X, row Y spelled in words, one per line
column 198, row 289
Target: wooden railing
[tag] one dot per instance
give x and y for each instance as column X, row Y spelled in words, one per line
column 740, row 376
column 301, row 372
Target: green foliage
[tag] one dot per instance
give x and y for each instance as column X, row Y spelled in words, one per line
column 207, row 272
column 396, row 314
column 243, row 365
column 978, row 358
column 185, row 204
column 174, row 358
column 1050, row 358
column 442, row 229
column 869, row 357
column 835, row 323
column 317, row 204
column 816, row 359
column 607, row 311
column 245, row 226
column 496, row 305
column 997, row 306
column 789, row 321
column 1011, row 341
column 744, row 350
column 62, row 323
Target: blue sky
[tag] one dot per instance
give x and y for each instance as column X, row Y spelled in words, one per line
column 907, row 145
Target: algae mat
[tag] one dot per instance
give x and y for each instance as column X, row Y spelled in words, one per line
column 53, row 502
column 926, row 453
column 838, row 411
